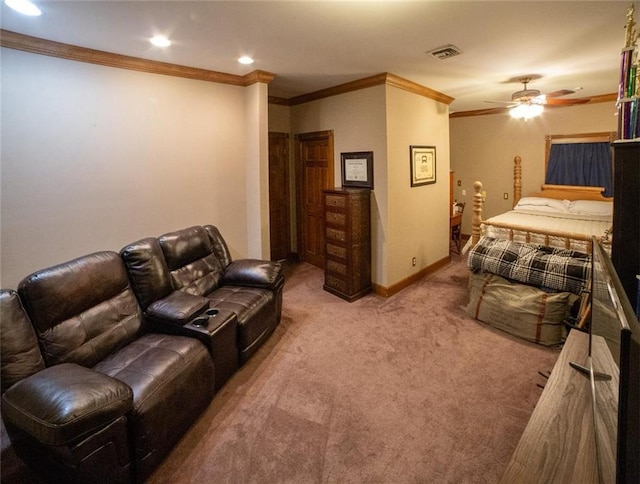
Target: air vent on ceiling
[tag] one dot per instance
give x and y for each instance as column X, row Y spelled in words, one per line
column 445, row 52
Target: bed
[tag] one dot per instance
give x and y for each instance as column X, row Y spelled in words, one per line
column 557, row 216
column 530, row 266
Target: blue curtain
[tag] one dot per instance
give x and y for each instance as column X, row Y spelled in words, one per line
column 583, row 164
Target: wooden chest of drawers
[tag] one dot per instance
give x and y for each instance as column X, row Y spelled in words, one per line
column 347, row 242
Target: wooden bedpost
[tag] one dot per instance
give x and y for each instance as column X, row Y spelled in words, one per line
column 476, row 219
column 517, row 180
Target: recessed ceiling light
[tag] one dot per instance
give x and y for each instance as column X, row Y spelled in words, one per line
column 160, row 41
column 25, row 7
column 245, row 59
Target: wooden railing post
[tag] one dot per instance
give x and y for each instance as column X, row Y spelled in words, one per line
column 517, row 180
column 476, row 220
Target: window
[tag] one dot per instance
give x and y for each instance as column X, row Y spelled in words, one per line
column 582, row 160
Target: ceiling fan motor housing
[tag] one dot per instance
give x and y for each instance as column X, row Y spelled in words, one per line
column 525, row 94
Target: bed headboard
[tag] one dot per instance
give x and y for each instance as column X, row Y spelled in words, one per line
column 572, row 192
column 560, row 192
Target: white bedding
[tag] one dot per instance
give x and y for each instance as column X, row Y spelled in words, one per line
column 560, row 221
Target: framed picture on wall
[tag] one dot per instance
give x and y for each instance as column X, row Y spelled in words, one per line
column 357, row 169
column 423, row 165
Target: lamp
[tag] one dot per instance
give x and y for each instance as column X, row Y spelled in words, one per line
column 526, row 111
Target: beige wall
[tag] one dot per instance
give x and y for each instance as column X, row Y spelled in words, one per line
column 418, row 217
column 257, row 169
column 358, row 123
column 406, row 222
column 483, row 148
column 96, row 157
column 279, row 118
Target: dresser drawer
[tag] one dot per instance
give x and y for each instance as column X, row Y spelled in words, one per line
column 337, row 267
column 336, row 218
column 336, row 235
column 335, row 283
column 336, row 251
column 336, row 201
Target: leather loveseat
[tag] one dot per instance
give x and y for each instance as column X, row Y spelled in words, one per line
column 102, row 369
column 179, row 271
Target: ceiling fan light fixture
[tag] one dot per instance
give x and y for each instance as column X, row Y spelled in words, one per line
column 526, row 111
column 160, row 41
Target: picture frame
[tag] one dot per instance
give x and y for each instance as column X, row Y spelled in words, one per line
column 422, row 164
column 357, row 169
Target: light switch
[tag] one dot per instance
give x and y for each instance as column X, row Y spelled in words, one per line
column 464, row 193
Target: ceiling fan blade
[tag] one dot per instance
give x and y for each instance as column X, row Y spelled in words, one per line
column 561, row 92
column 566, row 102
column 508, row 103
column 479, row 112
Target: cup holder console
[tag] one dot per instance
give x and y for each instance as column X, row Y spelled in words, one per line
column 203, row 320
column 200, row 321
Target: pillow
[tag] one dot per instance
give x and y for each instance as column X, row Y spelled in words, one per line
column 591, row 207
column 542, row 204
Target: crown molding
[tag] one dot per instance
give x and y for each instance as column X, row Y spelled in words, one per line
column 401, row 83
column 376, row 80
column 279, row 100
column 258, row 76
column 601, row 98
column 36, row 45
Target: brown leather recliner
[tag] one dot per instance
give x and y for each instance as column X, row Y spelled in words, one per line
column 172, row 274
column 89, row 393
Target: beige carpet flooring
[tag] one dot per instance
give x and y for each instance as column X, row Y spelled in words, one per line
column 405, row 389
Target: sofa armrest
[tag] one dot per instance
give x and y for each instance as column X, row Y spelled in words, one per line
column 64, row 403
column 254, row 273
column 177, row 308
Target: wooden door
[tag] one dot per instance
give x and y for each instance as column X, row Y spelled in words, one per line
column 314, row 168
column 279, row 201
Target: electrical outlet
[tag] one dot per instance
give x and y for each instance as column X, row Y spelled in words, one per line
column 413, row 262
column 505, row 196
column 464, row 193
column 459, row 183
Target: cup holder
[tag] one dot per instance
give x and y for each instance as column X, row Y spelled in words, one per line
column 200, row 321
column 203, row 320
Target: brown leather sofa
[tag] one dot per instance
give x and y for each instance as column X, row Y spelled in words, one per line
column 100, row 381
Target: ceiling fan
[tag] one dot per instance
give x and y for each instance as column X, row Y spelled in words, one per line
column 528, row 103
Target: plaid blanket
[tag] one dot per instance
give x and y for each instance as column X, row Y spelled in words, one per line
column 536, row 265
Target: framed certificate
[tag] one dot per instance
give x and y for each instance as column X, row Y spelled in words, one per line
column 357, row 169
column 423, row 165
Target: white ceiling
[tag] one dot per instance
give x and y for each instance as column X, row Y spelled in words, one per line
column 312, row 45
